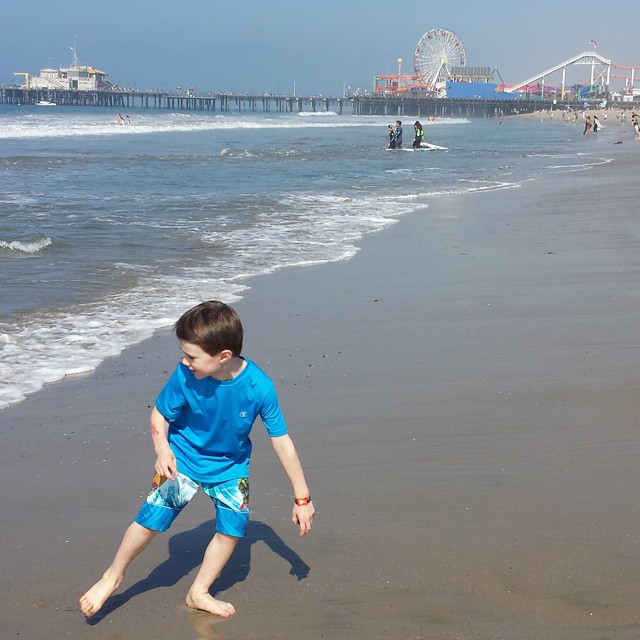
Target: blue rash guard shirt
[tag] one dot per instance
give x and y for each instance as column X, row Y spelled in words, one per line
column 210, row 420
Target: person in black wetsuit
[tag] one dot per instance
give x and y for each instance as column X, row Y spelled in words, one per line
column 398, row 134
column 392, row 137
column 418, row 135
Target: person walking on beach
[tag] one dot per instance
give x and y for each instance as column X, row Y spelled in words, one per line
column 596, row 124
column 623, row 117
column 587, row 125
column 200, row 428
column 418, row 134
column 392, row 137
column 398, row 134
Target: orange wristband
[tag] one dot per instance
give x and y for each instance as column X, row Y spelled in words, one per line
column 301, row 502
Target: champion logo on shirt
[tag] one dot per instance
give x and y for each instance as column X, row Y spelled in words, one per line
column 243, row 414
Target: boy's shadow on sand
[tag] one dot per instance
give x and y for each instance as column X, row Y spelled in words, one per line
column 185, row 554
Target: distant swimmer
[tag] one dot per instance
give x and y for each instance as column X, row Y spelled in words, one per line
column 398, row 134
column 120, row 119
column 418, row 133
column 128, row 119
column 392, row 137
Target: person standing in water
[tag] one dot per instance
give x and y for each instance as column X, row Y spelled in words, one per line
column 398, row 134
column 418, row 135
column 392, row 137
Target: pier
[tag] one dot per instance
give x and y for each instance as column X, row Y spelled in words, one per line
column 392, row 105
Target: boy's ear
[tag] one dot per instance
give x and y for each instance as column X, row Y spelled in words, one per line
column 225, row 355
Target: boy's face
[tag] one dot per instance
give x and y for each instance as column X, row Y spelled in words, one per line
column 202, row 364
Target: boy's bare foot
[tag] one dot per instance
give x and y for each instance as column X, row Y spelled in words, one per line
column 92, row 601
column 205, row 602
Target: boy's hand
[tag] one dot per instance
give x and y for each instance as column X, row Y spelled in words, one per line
column 166, row 464
column 303, row 516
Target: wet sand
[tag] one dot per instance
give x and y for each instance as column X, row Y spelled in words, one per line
column 613, row 113
column 463, row 394
column 611, row 116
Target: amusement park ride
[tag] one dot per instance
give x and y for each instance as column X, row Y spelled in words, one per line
column 440, row 70
column 437, row 51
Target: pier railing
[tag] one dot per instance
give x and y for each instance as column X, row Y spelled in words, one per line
column 393, row 105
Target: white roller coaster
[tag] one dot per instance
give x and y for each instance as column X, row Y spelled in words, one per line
column 586, row 57
column 602, row 70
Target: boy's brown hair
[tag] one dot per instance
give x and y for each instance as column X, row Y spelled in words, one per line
column 213, row 326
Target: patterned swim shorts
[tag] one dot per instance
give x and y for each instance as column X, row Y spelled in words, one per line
column 168, row 498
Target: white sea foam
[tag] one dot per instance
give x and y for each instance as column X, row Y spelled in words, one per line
column 473, row 186
column 581, row 166
column 47, row 348
column 540, row 154
column 318, row 229
column 33, row 246
column 102, row 124
column 56, row 345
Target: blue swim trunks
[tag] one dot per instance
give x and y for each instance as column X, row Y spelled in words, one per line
column 168, row 498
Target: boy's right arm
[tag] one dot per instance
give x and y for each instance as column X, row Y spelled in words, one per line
column 165, row 460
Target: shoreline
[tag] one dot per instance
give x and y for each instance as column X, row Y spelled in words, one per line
column 462, row 393
column 556, row 114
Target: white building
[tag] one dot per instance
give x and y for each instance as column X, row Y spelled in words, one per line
column 82, row 78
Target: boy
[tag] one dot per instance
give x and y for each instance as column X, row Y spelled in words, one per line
column 200, row 429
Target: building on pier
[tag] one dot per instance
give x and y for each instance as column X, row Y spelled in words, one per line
column 75, row 77
column 79, row 78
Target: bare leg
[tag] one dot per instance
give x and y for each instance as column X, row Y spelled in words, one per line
column 136, row 538
column 215, row 558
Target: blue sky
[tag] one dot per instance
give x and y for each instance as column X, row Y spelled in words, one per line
column 266, row 45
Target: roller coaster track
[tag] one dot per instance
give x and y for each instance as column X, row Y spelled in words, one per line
column 617, row 66
column 586, row 57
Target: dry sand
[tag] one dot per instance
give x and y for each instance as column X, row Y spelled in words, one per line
column 464, row 397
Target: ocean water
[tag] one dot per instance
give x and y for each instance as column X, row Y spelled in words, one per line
column 109, row 232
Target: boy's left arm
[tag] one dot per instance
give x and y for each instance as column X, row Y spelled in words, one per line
column 285, row 450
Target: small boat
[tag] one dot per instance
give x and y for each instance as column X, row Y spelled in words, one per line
column 45, row 103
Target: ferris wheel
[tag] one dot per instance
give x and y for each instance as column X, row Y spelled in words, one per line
column 436, row 52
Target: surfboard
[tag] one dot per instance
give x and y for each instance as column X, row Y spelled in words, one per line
column 425, row 147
